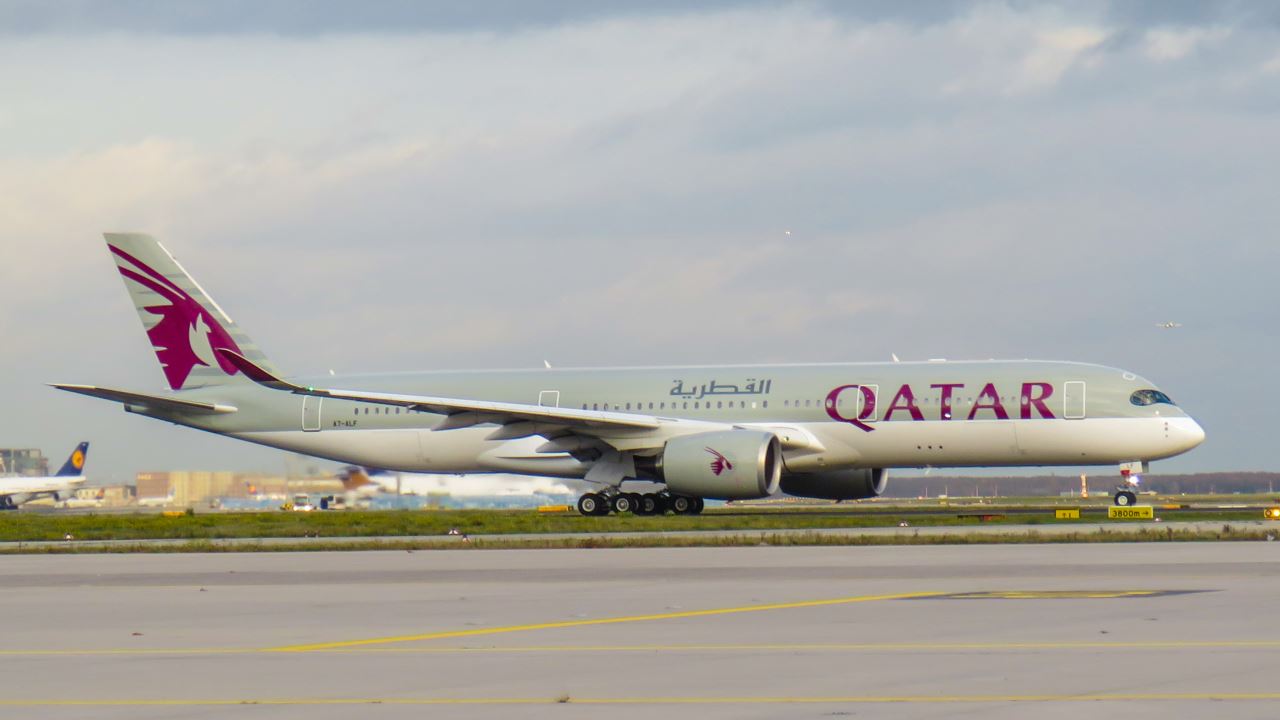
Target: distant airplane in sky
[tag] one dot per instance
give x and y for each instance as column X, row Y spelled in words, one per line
column 728, row 432
column 15, row 491
column 1169, row 325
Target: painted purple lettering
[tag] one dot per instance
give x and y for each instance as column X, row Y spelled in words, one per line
column 1029, row 398
column 944, row 399
column 989, row 399
column 904, row 400
column 868, row 406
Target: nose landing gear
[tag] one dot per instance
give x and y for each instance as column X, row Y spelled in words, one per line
column 1131, row 478
column 1125, row 498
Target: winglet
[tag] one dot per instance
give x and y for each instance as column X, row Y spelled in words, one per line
column 255, row 372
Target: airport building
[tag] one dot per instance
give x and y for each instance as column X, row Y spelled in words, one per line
column 23, row 461
column 202, row 488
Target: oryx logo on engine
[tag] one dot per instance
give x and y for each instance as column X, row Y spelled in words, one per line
column 720, row 463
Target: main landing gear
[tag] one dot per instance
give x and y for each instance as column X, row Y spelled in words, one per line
column 638, row 503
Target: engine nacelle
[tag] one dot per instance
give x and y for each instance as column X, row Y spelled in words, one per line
column 837, row 484
column 722, row 465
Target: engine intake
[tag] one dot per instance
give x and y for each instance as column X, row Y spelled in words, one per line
column 722, row 465
column 837, row 484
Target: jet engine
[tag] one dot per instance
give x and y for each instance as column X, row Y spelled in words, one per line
column 722, row 465
column 837, row 484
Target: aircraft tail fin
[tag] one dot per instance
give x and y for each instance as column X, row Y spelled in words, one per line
column 74, row 466
column 184, row 324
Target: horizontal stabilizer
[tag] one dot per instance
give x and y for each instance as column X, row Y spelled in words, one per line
column 150, row 402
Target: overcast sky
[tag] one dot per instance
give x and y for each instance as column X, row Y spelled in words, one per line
column 406, row 185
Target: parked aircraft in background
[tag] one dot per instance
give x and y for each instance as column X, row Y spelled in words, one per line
column 1169, row 325
column 15, row 491
column 727, row 432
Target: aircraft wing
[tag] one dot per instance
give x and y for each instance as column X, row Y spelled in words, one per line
column 465, row 413
column 152, row 402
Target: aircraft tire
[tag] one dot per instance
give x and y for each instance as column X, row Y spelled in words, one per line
column 698, row 505
column 681, row 505
column 591, row 504
column 650, row 504
column 624, row 503
column 1125, row 498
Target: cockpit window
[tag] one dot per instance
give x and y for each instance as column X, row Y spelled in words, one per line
column 1149, row 397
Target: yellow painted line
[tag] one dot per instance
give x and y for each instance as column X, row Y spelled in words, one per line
column 598, row 621
column 832, row 647
column 743, row 647
column 746, row 700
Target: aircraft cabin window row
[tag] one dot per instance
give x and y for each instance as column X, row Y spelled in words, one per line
column 697, row 405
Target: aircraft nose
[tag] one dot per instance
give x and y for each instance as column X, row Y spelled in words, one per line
column 1186, row 432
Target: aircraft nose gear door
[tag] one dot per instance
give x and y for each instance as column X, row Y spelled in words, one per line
column 311, row 413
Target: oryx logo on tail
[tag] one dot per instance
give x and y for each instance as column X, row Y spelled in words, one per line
column 187, row 334
column 720, row 463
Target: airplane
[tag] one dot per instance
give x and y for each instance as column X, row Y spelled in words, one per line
column 1169, row 325
column 732, row 432
column 15, row 491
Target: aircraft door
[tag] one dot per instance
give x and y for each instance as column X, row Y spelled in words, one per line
column 311, row 413
column 1073, row 404
column 549, row 398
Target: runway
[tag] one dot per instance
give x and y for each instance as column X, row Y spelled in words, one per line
column 1144, row 630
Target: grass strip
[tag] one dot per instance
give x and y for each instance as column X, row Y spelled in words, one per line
column 806, row 539
column 31, row 527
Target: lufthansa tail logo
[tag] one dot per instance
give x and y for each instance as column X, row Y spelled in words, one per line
column 77, row 460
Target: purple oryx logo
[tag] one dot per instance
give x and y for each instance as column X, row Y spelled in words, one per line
column 187, row 334
column 720, row 463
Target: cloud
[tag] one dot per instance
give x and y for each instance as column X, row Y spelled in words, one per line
column 1164, row 44
column 615, row 188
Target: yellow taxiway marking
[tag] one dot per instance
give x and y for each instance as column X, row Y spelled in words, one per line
column 747, row 700
column 833, row 647
column 310, row 647
column 704, row 647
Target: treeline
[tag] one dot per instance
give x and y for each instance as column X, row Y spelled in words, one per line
column 1102, row 483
